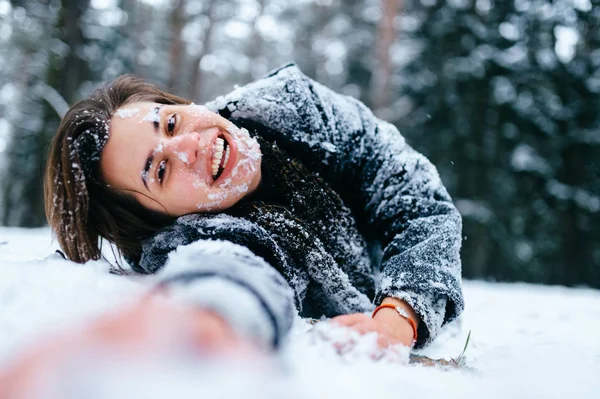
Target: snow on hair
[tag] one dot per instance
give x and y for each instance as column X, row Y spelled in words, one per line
column 80, row 207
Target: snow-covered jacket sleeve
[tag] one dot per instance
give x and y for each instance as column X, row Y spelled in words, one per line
column 392, row 189
column 224, row 276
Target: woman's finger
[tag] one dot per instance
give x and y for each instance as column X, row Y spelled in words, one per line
column 349, row 320
column 212, row 331
column 366, row 326
column 384, row 338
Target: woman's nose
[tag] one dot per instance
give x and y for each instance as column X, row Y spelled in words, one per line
column 184, row 147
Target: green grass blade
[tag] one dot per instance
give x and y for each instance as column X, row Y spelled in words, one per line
column 462, row 355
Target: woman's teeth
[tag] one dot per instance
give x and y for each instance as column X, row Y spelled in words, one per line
column 218, row 149
column 226, row 157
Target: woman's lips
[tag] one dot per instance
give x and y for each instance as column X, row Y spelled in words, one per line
column 233, row 157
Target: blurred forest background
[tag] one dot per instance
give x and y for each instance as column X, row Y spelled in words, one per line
column 503, row 96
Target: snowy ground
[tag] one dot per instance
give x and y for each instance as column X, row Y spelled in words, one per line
column 527, row 341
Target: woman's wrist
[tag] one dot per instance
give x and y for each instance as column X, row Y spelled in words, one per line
column 404, row 305
column 400, row 325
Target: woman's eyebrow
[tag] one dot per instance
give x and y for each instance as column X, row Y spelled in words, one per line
column 146, row 170
column 154, row 117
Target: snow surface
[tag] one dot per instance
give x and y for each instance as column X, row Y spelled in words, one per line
column 526, row 341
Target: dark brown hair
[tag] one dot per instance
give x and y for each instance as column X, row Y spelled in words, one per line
column 80, row 207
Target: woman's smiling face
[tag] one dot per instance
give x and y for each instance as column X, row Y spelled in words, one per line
column 179, row 159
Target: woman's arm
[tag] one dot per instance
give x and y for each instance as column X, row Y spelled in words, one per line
column 228, row 278
column 393, row 190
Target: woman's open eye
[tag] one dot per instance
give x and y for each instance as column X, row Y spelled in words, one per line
column 171, row 121
column 162, row 167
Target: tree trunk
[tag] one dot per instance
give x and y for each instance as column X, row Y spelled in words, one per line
column 256, row 41
column 176, row 47
column 134, row 31
column 75, row 69
column 386, row 34
column 24, row 200
column 196, row 83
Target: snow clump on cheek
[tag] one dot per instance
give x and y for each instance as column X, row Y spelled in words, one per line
column 247, row 146
column 250, row 154
column 183, row 157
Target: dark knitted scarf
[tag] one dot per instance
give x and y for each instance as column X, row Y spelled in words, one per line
column 310, row 222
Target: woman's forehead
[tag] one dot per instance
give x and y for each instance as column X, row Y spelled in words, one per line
column 139, row 117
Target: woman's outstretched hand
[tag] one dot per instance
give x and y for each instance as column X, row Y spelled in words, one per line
column 391, row 328
column 151, row 329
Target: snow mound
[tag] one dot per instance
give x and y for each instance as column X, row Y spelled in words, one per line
column 526, row 341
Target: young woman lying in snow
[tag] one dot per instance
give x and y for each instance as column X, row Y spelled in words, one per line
column 281, row 196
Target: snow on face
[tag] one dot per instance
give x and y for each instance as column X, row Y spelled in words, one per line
column 164, row 154
column 127, row 113
column 183, row 156
column 152, row 115
column 248, row 164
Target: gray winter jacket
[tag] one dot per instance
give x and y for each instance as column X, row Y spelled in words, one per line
column 412, row 229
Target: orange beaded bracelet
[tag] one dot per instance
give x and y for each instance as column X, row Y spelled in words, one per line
column 402, row 313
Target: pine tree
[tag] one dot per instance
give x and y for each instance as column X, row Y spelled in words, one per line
column 504, row 100
column 33, row 24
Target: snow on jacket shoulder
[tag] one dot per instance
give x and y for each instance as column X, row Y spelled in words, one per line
column 394, row 192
